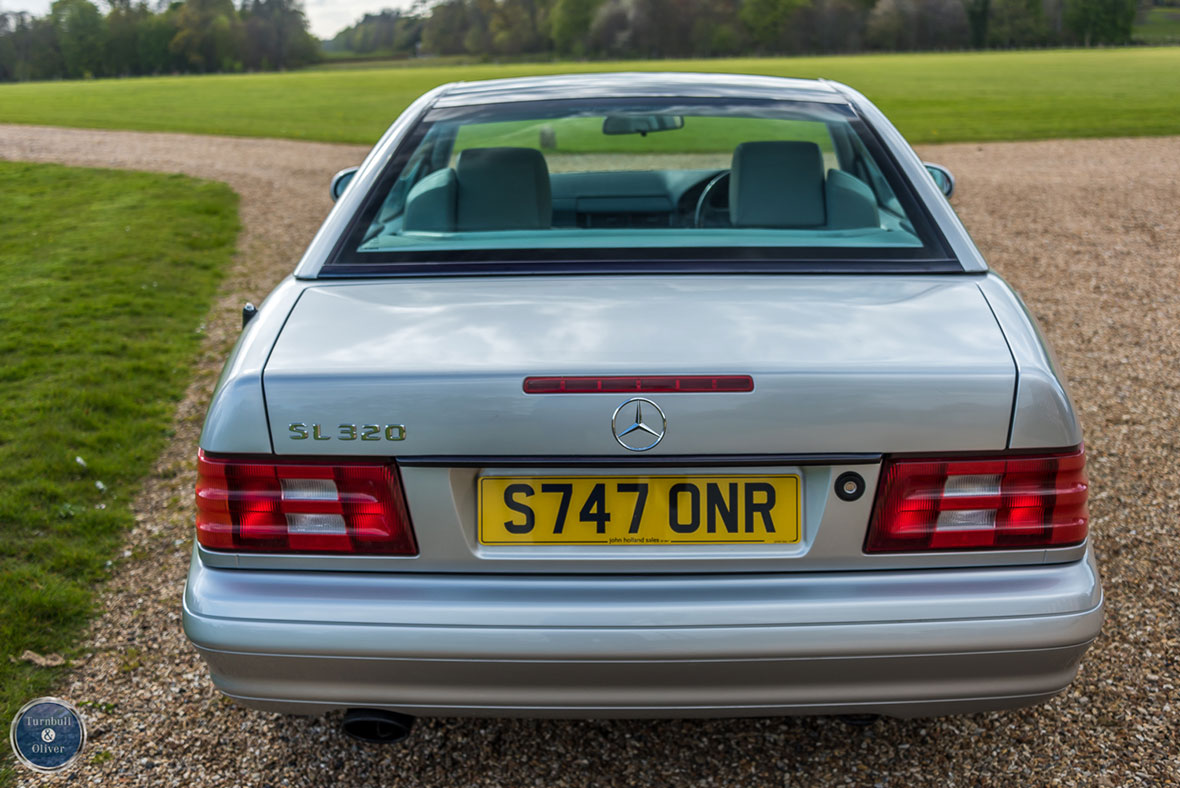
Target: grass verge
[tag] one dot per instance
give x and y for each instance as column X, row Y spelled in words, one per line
column 107, row 277
column 940, row 97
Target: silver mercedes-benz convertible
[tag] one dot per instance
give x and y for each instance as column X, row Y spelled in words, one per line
column 641, row 395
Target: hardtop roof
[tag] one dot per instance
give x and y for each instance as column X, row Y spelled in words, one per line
column 637, row 84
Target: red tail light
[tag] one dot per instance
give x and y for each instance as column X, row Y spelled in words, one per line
column 980, row 504
column 294, row 507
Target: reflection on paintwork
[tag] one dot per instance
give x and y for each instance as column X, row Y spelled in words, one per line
column 871, row 363
column 631, row 322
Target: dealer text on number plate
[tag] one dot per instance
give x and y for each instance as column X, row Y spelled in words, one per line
column 639, row 510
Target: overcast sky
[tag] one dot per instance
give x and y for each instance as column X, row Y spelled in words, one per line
column 327, row 17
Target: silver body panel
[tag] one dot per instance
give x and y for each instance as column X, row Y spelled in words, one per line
column 1043, row 414
column 900, row 643
column 236, row 422
column 847, row 369
column 852, row 364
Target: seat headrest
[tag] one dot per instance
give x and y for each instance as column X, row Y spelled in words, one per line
column 777, row 184
column 430, row 205
column 502, row 189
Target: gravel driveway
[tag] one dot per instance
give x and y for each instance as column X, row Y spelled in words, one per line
column 1088, row 231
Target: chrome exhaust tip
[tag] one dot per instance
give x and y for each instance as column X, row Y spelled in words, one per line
column 377, row 726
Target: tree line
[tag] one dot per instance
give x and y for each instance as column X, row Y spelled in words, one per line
column 717, row 28
column 75, row 40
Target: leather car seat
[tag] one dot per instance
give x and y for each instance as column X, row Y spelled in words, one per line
column 781, row 184
column 489, row 189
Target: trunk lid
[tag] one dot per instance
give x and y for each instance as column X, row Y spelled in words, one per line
column 841, row 364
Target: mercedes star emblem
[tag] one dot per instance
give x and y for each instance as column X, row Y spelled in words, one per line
column 631, row 430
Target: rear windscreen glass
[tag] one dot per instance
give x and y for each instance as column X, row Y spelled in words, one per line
column 640, row 179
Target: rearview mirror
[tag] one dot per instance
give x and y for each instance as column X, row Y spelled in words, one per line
column 942, row 178
column 340, row 182
column 640, row 124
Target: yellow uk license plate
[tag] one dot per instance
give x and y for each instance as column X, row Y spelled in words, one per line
column 639, row 510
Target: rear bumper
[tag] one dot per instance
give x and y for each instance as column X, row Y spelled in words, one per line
column 901, row 643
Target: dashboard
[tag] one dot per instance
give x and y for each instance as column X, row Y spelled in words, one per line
column 650, row 198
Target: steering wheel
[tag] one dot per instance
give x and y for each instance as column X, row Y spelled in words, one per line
column 703, row 200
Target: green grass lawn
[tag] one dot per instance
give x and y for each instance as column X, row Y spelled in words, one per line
column 931, row 97
column 107, row 278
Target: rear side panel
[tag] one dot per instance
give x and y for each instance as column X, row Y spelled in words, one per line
column 1042, row 414
column 236, row 422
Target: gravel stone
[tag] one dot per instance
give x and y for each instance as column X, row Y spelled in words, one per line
column 1089, row 233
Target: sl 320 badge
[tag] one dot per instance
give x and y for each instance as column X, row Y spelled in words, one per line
column 346, row 432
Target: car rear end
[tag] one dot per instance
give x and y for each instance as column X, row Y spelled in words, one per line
column 825, row 488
